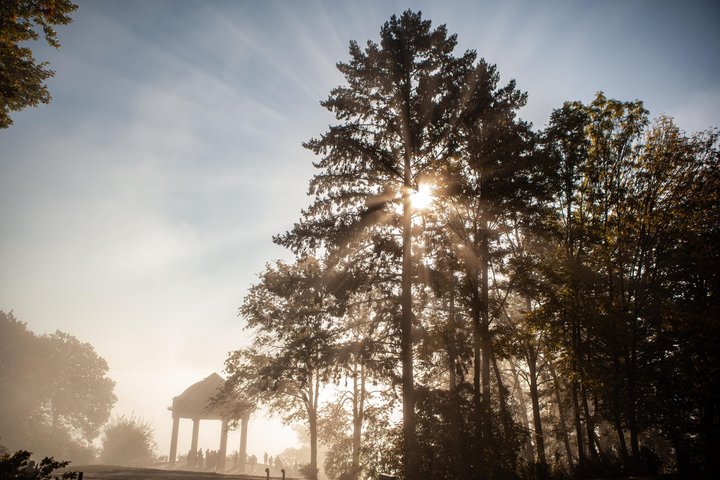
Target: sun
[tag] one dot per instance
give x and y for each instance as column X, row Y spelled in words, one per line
column 422, row 197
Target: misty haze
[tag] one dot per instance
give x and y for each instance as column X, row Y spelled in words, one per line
column 359, row 240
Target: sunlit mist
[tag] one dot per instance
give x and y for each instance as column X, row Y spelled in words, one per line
column 172, row 166
column 423, row 196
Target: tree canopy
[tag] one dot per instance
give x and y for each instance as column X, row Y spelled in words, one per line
column 55, row 395
column 21, row 77
column 551, row 309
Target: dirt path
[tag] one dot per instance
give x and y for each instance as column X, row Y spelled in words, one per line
column 109, row 472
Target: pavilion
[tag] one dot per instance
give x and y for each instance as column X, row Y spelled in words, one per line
column 195, row 403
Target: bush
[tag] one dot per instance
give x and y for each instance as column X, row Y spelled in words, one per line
column 20, row 466
column 128, row 441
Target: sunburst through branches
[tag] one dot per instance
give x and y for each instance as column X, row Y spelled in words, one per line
column 422, row 197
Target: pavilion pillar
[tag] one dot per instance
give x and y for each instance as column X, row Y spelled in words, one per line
column 192, row 458
column 243, row 441
column 223, row 447
column 174, row 440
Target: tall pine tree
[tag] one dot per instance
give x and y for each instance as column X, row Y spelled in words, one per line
column 397, row 112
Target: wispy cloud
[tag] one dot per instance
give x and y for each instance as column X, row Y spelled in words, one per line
column 138, row 206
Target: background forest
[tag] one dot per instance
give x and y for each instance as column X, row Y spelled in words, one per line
column 472, row 298
column 56, row 400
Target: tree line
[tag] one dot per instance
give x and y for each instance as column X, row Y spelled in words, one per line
column 55, row 401
column 551, row 311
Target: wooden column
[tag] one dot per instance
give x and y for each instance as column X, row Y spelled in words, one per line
column 243, row 441
column 174, row 440
column 192, row 458
column 223, row 447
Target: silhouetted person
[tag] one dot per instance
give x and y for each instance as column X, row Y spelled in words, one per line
column 253, row 462
column 199, row 458
column 265, row 458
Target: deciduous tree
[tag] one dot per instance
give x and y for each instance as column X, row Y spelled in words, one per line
column 21, row 77
column 292, row 314
column 54, row 390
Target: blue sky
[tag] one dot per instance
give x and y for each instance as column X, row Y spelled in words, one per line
column 139, row 205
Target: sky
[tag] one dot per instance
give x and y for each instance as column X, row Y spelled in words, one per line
column 138, row 207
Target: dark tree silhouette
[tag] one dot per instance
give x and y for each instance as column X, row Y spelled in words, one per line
column 398, row 111
column 582, row 258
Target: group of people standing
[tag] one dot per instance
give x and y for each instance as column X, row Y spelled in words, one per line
column 207, row 461
column 210, row 460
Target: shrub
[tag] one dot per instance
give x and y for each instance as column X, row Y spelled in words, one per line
column 128, row 441
column 19, row 466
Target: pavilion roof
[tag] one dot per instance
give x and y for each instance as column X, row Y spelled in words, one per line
column 196, row 400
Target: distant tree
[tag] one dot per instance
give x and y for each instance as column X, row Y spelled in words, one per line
column 21, row 381
column 335, row 432
column 21, row 77
column 79, row 395
column 291, row 312
column 128, row 441
column 55, row 392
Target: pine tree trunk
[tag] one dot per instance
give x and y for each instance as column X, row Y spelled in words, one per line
column 589, row 424
column 358, row 416
column 485, row 342
column 537, row 421
column 312, row 424
column 476, row 314
column 454, row 419
column 632, row 392
column 406, row 343
column 477, row 360
column 529, row 450
column 616, row 403
column 575, row 387
column 504, row 413
column 561, row 415
column 450, row 343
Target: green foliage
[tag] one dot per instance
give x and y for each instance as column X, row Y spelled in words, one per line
column 583, row 258
column 128, row 441
column 629, row 276
column 80, row 395
column 335, row 431
column 20, row 466
column 21, row 78
column 54, row 392
column 396, row 113
column 291, row 311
